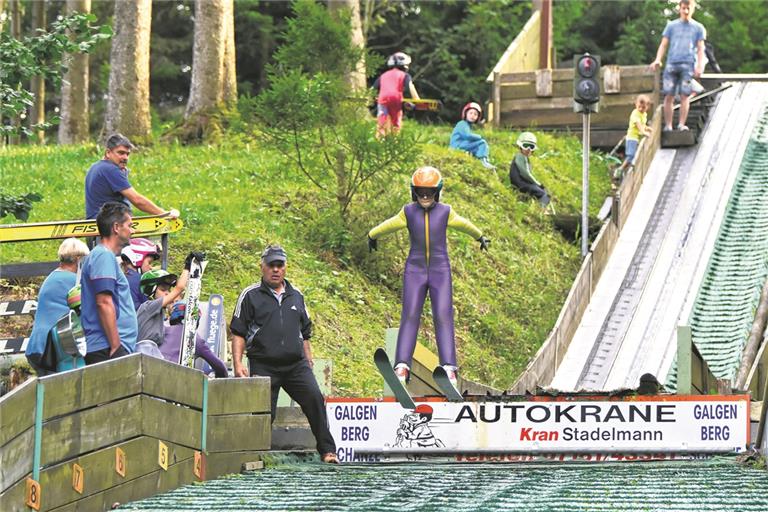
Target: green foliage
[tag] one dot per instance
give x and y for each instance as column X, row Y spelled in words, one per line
column 41, row 55
column 236, row 198
column 19, row 206
column 454, row 45
column 737, row 30
column 315, row 42
column 313, row 118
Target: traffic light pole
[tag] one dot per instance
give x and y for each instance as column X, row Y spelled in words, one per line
column 585, row 182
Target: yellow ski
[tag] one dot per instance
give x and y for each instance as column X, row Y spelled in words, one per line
column 424, row 104
column 144, row 226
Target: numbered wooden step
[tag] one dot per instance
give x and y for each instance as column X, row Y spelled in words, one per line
column 120, row 462
column 78, row 478
column 33, row 494
column 162, row 455
column 199, row 468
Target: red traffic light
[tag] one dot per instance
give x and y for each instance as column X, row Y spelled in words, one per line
column 587, row 66
column 586, row 88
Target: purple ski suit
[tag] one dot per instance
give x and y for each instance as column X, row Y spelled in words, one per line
column 426, row 269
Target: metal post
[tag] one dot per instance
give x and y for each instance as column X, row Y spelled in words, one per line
column 585, row 182
column 38, row 439
column 204, row 426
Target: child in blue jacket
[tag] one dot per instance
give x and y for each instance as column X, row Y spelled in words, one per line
column 463, row 138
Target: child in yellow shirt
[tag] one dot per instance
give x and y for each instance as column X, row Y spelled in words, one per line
column 637, row 128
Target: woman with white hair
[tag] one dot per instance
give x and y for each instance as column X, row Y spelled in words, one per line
column 52, row 305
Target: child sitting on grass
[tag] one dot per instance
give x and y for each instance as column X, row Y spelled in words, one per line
column 520, row 174
column 463, row 138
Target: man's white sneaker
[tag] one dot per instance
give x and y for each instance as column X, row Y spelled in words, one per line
column 682, row 128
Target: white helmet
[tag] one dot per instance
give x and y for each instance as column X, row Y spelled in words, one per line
column 399, row 60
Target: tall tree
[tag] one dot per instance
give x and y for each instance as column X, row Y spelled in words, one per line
column 357, row 76
column 214, row 86
column 128, row 99
column 73, row 127
column 229, row 94
column 37, row 111
column 16, row 15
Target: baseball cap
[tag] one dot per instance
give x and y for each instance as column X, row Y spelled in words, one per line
column 273, row 253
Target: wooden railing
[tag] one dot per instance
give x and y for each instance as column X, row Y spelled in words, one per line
column 541, row 370
column 124, row 430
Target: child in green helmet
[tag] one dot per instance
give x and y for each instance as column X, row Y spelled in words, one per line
column 163, row 289
column 520, row 174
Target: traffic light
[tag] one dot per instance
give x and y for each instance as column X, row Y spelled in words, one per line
column 586, row 84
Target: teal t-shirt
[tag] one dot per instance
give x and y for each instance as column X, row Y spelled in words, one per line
column 684, row 37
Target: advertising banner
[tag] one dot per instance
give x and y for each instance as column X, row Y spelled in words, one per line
column 375, row 430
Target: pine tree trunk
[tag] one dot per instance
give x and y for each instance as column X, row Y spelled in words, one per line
column 214, row 85
column 75, row 118
column 355, row 77
column 128, row 99
column 16, row 15
column 229, row 95
column 37, row 85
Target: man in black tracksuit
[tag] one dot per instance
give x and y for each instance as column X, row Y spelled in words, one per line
column 272, row 323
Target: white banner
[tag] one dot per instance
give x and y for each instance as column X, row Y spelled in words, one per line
column 371, row 430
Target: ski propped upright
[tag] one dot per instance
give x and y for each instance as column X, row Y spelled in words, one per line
column 446, row 386
column 385, row 369
column 195, row 283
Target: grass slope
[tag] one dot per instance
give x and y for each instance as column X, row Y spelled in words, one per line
column 236, row 198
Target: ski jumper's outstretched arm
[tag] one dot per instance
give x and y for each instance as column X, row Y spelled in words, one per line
column 459, row 223
column 390, row 225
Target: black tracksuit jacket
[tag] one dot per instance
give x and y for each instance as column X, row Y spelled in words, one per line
column 274, row 333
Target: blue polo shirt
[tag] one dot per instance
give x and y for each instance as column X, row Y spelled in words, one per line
column 102, row 273
column 103, row 183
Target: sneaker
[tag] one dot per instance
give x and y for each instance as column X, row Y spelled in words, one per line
column 667, row 129
column 403, row 372
column 487, row 164
column 682, row 128
column 453, row 376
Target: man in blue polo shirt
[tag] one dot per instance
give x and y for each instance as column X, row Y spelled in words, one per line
column 107, row 180
column 107, row 313
column 685, row 38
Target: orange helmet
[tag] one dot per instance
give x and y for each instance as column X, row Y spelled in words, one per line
column 472, row 105
column 426, row 177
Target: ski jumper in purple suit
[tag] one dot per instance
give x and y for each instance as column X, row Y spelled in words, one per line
column 427, row 269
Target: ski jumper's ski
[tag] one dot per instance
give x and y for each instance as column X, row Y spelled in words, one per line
column 446, row 386
column 195, row 283
column 143, row 226
column 390, row 377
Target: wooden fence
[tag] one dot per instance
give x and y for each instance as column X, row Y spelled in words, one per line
column 124, row 430
column 544, row 99
column 541, row 370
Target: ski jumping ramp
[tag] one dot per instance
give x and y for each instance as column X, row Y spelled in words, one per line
column 652, row 277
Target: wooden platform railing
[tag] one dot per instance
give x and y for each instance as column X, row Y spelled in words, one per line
column 125, row 430
column 541, row 369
